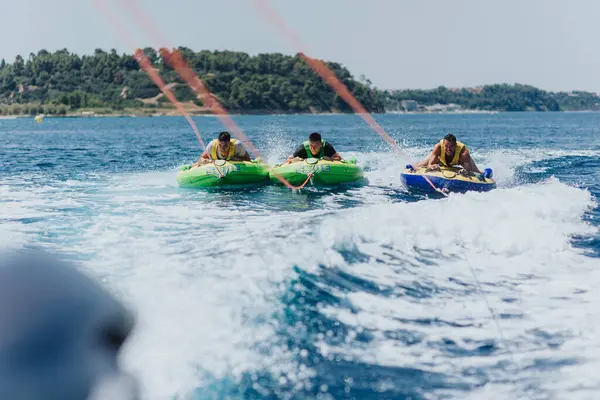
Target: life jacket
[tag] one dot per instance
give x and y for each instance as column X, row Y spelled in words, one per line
column 215, row 147
column 459, row 147
column 308, row 152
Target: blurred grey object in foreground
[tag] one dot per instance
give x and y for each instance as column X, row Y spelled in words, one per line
column 60, row 332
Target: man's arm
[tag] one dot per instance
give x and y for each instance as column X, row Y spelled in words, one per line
column 245, row 157
column 299, row 153
column 467, row 162
column 330, row 154
column 433, row 160
column 241, row 154
column 204, row 157
column 336, row 157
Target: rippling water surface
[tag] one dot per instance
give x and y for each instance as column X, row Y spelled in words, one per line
column 356, row 293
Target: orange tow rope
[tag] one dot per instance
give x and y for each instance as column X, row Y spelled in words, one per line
column 146, row 65
column 176, row 60
column 331, row 79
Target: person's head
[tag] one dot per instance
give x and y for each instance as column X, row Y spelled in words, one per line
column 224, row 140
column 449, row 144
column 314, row 142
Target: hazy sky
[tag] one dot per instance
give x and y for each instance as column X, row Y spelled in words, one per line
column 552, row 44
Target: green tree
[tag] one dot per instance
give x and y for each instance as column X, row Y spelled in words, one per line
column 75, row 100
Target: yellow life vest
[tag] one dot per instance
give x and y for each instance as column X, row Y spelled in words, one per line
column 215, row 147
column 459, row 147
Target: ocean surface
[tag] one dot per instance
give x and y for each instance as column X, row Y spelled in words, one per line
column 364, row 292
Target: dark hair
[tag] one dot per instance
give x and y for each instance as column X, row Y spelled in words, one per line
column 224, row 137
column 315, row 137
column 450, row 137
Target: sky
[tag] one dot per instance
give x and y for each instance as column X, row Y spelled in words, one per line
column 397, row 44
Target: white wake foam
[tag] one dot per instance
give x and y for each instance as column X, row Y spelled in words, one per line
column 518, row 243
column 199, row 273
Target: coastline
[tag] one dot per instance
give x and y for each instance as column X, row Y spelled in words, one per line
column 174, row 113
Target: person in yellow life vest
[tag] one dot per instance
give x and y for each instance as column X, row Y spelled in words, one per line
column 224, row 148
column 449, row 153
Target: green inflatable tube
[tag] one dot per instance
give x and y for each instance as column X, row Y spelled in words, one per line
column 325, row 173
column 223, row 173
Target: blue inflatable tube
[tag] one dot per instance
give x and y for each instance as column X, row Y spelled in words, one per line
column 447, row 179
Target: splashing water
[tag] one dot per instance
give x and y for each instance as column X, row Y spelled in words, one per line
column 361, row 292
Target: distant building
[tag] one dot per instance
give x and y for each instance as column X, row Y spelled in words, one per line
column 410, row 105
column 437, row 108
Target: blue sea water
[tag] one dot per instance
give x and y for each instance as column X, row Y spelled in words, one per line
column 357, row 293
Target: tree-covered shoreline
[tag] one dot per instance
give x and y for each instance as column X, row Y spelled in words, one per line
column 62, row 82
column 109, row 83
column 498, row 97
